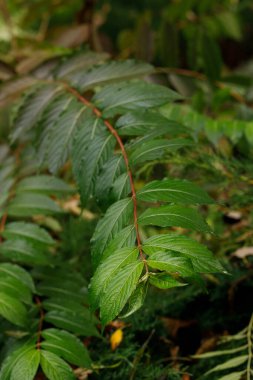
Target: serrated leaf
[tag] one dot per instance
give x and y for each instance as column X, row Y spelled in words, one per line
column 44, row 184
column 175, row 191
column 12, row 310
column 62, row 134
column 156, row 149
column 78, row 62
column 47, row 123
column 28, row 231
column 15, row 288
column 177, row 243
column 121, row 187
column 164, row 281
column 15, row 271
column 13, row 358
column 125, row 238
column 99, row 150
column 106, row 270
column 120, row 288
column 201, row 258
column 54, row 367
column 142, row 122
column 111, row 72
column 24, row 252
column 116, row 217
column 136, row 300
column 172, row 263
column 118, row 98
column 173, row 215
column 32, row 109
column 109, row 172
column 73, row 323
column 27, row 365
column 231, row 363
column 29, row 204
column 67, row 346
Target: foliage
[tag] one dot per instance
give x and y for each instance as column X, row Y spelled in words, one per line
column 115, row 189
column 62, row 123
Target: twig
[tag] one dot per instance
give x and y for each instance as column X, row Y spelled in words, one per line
column 113, row 131
column 2, row 224
column 41, row 320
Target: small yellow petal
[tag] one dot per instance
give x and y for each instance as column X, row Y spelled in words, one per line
column 116, row 339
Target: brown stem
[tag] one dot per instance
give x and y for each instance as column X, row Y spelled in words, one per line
column 113, row 131
column 2, row 224
column 41, row 320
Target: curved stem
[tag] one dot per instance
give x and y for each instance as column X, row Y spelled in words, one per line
column 250, row 347
column 113, row 131
column 41, row 320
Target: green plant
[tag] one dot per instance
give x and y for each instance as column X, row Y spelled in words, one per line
column 71, row 110
column 240, row 356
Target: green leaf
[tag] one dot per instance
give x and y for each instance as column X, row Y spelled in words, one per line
column 113, row 167
column 156, row 149
column 62, row 134
column 118, row 98
column 27, row 365
column 79, row 62
column 231, row 363
column 15, row 288
column 99, row 150
column 12, row 310
column 201, row 258
column 172, row 263
column 54, row 367
column 136, row 300
column 233, row 376
column 166, row 216
column 44, row 184
column 124, row 238
column 31, row 110
column 49, row 119
column 60, row 287
column 175, row 191
column 121, row 187
column 142, row 122
column 28, row 231
column 15, row 271
column 13, row 358
column 71, row 322
column 24, row 252
column 164, row 281
column 177, row 243
column 67, row 346
column 212, row 354
column 120, row 288
column 111, row 72
column 116, row 217
column 69, row 305
column 29, row 204
column 106, row 270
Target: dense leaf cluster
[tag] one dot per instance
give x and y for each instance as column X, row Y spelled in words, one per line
column 103, row 117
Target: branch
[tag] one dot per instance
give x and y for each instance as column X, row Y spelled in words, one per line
column 41, row 320
column 2, row 224
column 113, row 131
